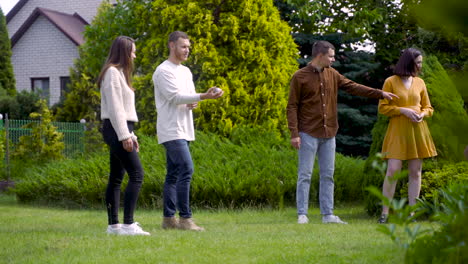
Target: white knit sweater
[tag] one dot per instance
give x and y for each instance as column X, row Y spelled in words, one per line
column 117, row 102
column 173, row 90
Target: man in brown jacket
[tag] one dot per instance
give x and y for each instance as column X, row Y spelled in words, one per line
column 313, row 122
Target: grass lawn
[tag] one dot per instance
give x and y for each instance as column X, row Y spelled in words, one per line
column 31, row 234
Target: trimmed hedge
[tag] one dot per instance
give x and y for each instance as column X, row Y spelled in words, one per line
column 252, row 168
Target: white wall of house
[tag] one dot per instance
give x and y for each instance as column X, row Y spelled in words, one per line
column 87, row 9
column 43, row 51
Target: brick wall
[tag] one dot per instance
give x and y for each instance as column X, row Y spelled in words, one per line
column 43, row 51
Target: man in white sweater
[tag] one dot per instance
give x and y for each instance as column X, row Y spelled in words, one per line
column 175, row 97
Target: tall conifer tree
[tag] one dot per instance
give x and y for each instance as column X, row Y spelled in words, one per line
column 7, row 78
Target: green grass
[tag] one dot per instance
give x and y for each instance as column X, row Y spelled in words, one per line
column 32, row 234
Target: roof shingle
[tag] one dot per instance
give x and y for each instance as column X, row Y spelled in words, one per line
column 71, row 25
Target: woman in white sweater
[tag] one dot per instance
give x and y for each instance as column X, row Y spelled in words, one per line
column 119, row 115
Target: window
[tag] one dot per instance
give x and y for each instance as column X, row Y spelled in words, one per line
column 64, row 87
column 41, row 86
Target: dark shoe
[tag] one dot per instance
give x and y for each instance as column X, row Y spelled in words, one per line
column 383, row 219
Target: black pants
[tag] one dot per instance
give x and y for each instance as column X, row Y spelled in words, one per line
column 121, row 161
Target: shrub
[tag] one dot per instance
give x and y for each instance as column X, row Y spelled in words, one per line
column 447, row 244
column 44, row 143
column 450, row 121
column 438, row 178
column 19, row 106
column 257, row 172
column 434, row 176
column 73, row 182
column 241, row 46
column 445, row 240
column 28, row 103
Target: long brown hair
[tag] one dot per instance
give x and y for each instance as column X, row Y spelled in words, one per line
column 120, row 56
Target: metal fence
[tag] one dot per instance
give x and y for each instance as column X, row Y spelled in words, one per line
column 73, row 134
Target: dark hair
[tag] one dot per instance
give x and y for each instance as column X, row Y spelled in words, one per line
column 406, row 65
column 120, row 56
column 174, row 36
column 321, row 47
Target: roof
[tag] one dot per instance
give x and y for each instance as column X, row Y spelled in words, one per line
column 70, row 25
column 15, row 10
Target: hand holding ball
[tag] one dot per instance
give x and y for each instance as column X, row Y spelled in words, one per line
column 212, row 93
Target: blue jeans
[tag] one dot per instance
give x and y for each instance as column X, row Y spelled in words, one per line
column 179, row 167
column 325, row 149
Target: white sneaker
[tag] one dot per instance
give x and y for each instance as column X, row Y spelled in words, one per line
column 302, row 219
column 326, row 219
column 133, row 230
column 114, row 230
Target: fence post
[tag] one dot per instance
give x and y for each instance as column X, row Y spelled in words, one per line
column 83, row 135
column 7, row 147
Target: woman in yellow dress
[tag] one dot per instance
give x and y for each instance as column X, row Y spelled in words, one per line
column 408, row 137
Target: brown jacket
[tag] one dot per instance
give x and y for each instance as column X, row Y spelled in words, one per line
column 312, row 104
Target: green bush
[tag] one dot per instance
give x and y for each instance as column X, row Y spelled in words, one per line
column 44, row 143
column 374, row 177
column 434, row 177
column 241, row 46
column 261, row 171
column 438, row 178
column 450, row 121
column 19, row 106
column 446, row 243
column 75, row 182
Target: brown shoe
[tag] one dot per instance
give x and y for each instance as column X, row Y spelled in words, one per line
column 188, row 224
column 170, row 223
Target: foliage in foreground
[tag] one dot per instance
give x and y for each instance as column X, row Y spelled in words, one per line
column 253, row 168
column 449, row 243
column 446, row 242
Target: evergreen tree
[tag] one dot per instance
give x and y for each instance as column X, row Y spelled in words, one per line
column 45, row 143
column 356, row 114
column 7, row 78
column 243, row 47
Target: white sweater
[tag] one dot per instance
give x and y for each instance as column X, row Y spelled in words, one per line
column 173, row 90
column 117, row 102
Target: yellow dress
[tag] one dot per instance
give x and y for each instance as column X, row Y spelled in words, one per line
column 405, row 139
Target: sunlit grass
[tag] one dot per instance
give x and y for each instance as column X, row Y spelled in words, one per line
column 30, row 234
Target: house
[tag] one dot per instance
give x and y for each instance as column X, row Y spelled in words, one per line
column 45, row 36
